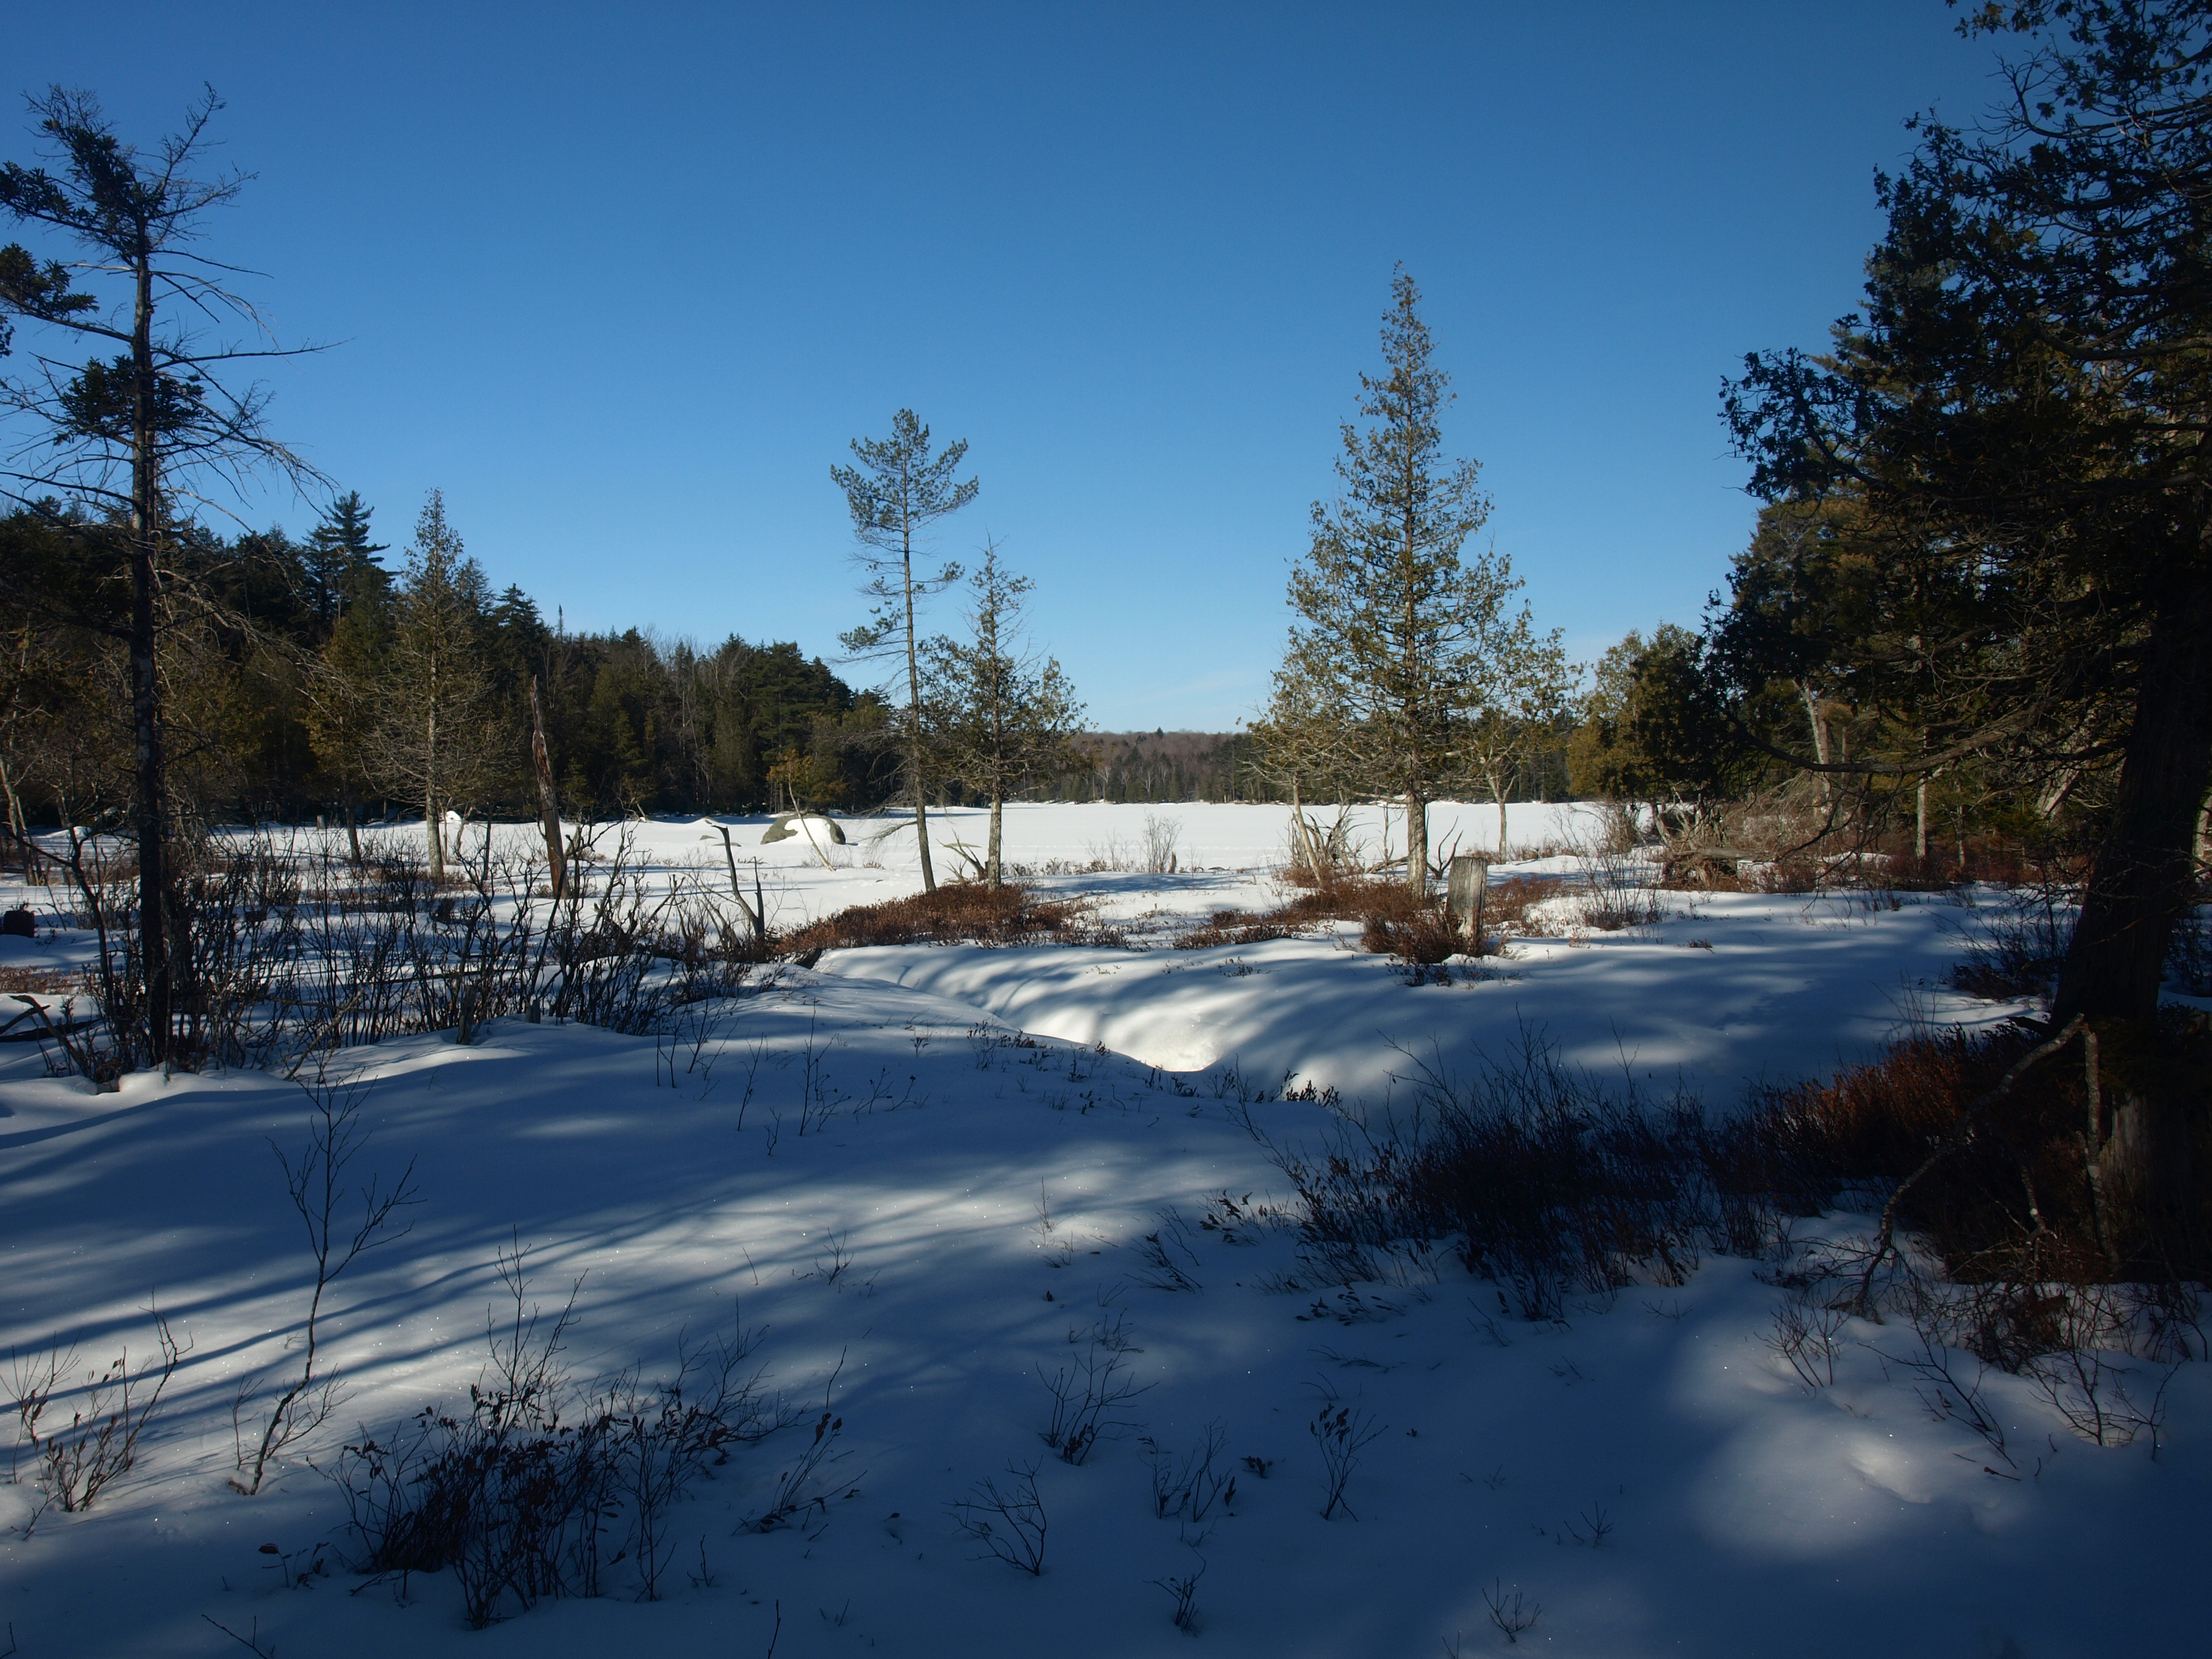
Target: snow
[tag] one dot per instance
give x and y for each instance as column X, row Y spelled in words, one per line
column 1742, row 1512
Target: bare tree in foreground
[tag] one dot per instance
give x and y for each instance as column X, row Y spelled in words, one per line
column 153, row 422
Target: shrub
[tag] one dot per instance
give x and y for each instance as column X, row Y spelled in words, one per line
column 517, row 1493
column 1552, row 1186
column 1394, row 920
column 958, row 912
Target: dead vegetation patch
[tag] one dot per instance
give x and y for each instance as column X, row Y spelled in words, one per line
column 43, row 981
column 958, row 913
column 1553, row 1183
column 1394, row 920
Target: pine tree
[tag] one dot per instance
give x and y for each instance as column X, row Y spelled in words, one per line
column 2026, row 394
column 1399, row 642
column 997, row 711
column 130, row 433
column 435, row 730
column 340, row 558
column 903, row 490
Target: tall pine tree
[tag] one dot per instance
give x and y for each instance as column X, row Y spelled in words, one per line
column 897, row 491
column 1399, row 640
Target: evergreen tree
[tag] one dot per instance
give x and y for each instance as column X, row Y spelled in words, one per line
column 897, row 491
column 2028, row 391
column 127, row 433
column 341, row 560
column 998, row 711
column 435, row 729
column 1398, row 641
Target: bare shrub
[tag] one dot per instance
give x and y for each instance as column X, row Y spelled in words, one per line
column 1508, row 1613
column 294, row 950
column 1169, row 1263
column 1394, row 920
column 32, row 1380
column 960, row 912
column 1008, row 1520
column 1186, row 1488
column 1341, row 1436
column 798, row 1488
column 2014, row 942
column 1163, row 838
column 1184, row 1589
column 1550, row 1185
column 314, row 1182
column 518, row 1494
column 100, row 1443
column 1088, row 1393
column 1620, row 894
column 1804, row 1336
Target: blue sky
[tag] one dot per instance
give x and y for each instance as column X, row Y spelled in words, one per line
column 624, row 281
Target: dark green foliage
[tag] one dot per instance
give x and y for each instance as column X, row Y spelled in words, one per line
column 2019, row 413
column 632, row 721
column 339, row 561
column 1655, row 727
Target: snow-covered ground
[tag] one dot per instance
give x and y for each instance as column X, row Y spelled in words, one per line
column 928, row 1209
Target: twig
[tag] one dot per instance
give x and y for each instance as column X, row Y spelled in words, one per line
column 252, row 1644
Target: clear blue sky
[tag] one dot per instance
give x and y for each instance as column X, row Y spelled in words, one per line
column 624, row 280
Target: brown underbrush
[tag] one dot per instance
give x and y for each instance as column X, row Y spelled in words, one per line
column 43, row 981
column 958, row 913
column 1394, row 920
column 2024, row 1182
column 1552, row 1184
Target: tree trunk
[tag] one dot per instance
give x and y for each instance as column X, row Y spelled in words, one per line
column 1302, row 842
column 1920, row 822
column 352, row 825
column 914, row 724
column 1496, row 780
column 150, row 802
column 1417, row 842
column 2144, row 874
column 18, row 827
column 548, row 804
column 991, row 856
column 1818, row 739
column 2143, row 880
column 433, row 830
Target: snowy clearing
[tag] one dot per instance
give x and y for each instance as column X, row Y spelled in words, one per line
column 938, row 1176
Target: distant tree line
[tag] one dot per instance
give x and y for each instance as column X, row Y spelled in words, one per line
column 302, row 678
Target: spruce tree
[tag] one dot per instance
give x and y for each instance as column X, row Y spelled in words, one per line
column 1398, row 641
